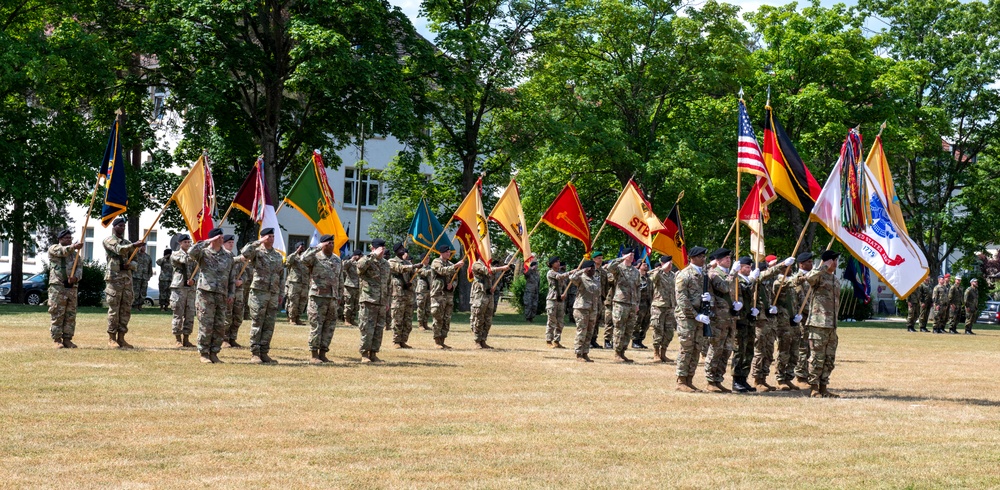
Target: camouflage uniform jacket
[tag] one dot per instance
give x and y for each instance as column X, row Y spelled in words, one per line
column 297, row 273
column 143, row 266
column 557, row 284
column 482, row 283
column 918, row 296
column 588, row 290
column 765, row 291
column 350, row 271
column 183, row 267
column 798, row 280
column 216, row 266
column 238, row 262
column 689, row 287
column 423, row 280
column 663, row 287
column 971, row 297
column 373, row 272
column 720, row 284
column 607, row 285
column 955, row 295
column 940, row 295
column 266, row 265
column 166, row 268
column 531, row 279
column 786, row 301
column 401, row 276
column 746, row 297
column 825, row 298
column 60, row 264
column 323, row 272
column 441, row 273
column 118, row 251
column 626, row 279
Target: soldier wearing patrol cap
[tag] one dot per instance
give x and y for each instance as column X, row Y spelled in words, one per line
column 481, row 300
column 443, row 274
column 373, row 304
column 296, row 285
column 625, row 312
column 266, row 263
column 166, row 275
column 118, row 292
column 63, row 283
column 822, row 324
column 401, row 310
column 691, row 295
column 322, row 267
column 661, row 315
column 585, row 307
column 216, row 292
column 554, row 303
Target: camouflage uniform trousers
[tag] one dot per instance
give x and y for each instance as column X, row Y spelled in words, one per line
column 691, row 336
column 234, row 318
column 664, row 324
column 787, row 336
column 953, row 317
column 263, row 308
column 441, row 310
column 482, row 318
column 183, row 303
column 139, row 288
column 970, row 318
column 925, row 310
column 62, row 310
column 164, row 294
column 296, row 299
column 599, row 312
column 743, row 355
column 530, row 305
column 246, row 300
column 211, row 307
column 554, row 323
column 322, row 314
column 401, row 315
column 586, row 325
column 823, row 348
column 642, row 324
column 351, row 304
column 802, row 364
column 118, row 294
column 371, row 322
column 941, row 318
column 609, row 323
column 423, row 307
column 624, row 317
column 720, row 347
column 763, row 347
column 912, row 313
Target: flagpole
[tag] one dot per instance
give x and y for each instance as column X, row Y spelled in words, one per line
column 145, row 235
column 794, row 251
column 805, row 300
column 598, row 235
column 758, row 252
column 730, row 232
column 86, row 221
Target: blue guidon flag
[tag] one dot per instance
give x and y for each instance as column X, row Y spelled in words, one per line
column 113, row 175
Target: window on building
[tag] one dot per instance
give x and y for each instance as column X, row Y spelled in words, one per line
column 370, row 187
column 4, row 248
column 151, row 244
column 88, row 244
column 295, row 239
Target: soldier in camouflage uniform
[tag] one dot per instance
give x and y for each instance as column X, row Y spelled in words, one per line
column 555, row 303
column 822, row 324
column 443, row 274
column 351, row 285
column 568, row 299
column 805, row 263
column 530, row 298
column 481, row 301
column 166, row 275
column 296, row 285
column 118, row 292
column 642, row 322
column 955, row 304
column 940, row 298
column 661, row 314
column 182, row 293
column 322, row 267
column 216, row 292
column 601, row 276
column 690, row 292
column 764, row 327
column 913, row 302
column 140, row 277
column 63, row 289
column 423, row 290
column 745, row 319
column 585, row 307
column 608, row 291
column 927, row 304
column 373, row 305
column 786, row 330
column 401, row 310
column 234, row 315
column 626, row 301
column 265, row 289
column 971, row 299
column 723, row 340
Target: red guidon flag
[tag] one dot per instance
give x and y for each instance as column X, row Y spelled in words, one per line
column 633, row 215
column 473, row 231
column 566, row 216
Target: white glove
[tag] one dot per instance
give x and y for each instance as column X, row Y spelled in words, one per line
column 703, row 319
column 754, row 274
column 797, row 318
column 789, row 261
column 773, row 310
column 754, row 312
column 706, row 297
column 737, row 306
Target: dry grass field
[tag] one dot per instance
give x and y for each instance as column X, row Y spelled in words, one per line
column 918, row 411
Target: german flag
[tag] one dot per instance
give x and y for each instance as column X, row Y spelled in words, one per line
column 789, row 175
column 670, row 240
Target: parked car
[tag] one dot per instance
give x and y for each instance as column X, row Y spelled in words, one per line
column 990, row 314
column 152, row 296
column 5, row 277
column 34, row 290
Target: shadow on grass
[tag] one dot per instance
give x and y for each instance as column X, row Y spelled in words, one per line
column 890, row 396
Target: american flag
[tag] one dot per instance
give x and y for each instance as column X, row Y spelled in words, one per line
column 749, row 159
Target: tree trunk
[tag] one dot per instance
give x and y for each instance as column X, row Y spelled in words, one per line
column 17, row 256
column 133, row 217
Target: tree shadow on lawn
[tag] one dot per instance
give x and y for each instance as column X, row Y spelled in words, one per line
column 882, row 394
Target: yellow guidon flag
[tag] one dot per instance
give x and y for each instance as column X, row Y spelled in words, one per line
column 509, row 214
column 473, row 231
column 190, row 197
column 632, row 214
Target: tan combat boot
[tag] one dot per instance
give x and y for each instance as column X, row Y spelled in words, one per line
column 373, row 357
column 67, row 343
column 215, row 358
column 587, row 358
column 121, row 341
column 57, row 344
column 787, row 386
column 187, row 341
column 690, row 383
column 205, row 357
column 255, row 359
column 180, row 343
column 113, row 341
column 761, row 385
column 683, row 386
column 267, row 359
column 315, row 358
column 557, row 345
column 322, row 356
column 826, row 393
column 365, row 357
column 814, row 391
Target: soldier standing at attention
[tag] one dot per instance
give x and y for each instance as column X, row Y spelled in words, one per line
column 913, row 302
column 661, row 314
column 585, row 307
column 351, row 285
column 423, row 289
column 373, row 305
column 601, row 276
column 805, row 264
column 690, row 291
column 554, row 303
column 264, row 291
column 721, row 345
column 63, row 289
column 940, row 298
column 140, row 277
column 955, row 304
column 166, row 275
column 645, row 302
column 764, row 328
column 401, row 310
column 215, row 294
column 927, row 304
column 182, row 293
column 443, row 293
column 626, row 301
column 118, row 277
column 482, row 301
column 608, row 292
column 296, row 285
column 745, row 318
column 323, row 268
column 822, row 324
column 971, row 305
column 234, row 316
column 530, row 298
column 786, row 329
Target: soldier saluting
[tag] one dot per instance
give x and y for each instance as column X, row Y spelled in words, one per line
column 63, row 289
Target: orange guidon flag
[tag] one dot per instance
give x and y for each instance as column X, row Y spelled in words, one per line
column 509, row 214
column 473, row 232
column 632, row 214
column 566, row 216
column 190, row 198
column 670, row 241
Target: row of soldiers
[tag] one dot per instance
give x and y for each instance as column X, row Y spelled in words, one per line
column 946, row 300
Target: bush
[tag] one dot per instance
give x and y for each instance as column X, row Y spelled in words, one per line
column 91, row 289
column 517, row 291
